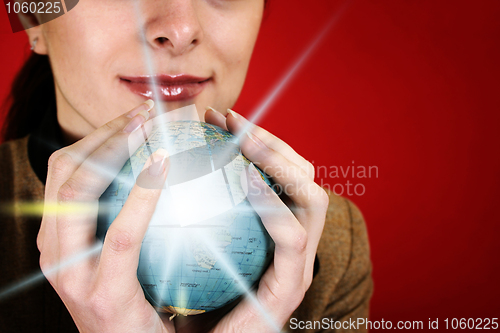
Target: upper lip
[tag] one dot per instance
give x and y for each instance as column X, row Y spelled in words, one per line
column 165, row 79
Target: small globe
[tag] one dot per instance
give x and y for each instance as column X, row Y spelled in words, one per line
column 205, row 244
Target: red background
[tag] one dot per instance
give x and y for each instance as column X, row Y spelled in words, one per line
column 413, row 88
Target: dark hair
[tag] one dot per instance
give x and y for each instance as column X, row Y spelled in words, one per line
column 32, row 94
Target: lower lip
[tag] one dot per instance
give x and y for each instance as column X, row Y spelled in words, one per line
column 166, row 93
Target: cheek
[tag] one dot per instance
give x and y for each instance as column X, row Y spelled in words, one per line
column 237, row 41
column 82, row 51
column 233, row 43
column 80, row 41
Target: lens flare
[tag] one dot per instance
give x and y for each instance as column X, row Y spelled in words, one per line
column 40, row 277
column 39, row 208
column 290, row 74
column 242, row 284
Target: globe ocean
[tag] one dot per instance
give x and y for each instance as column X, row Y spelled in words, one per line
column 205, row 244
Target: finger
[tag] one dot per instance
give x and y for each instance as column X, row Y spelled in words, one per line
column 310, row 201
column 83, row 148
column 63, row 163
column 120, row 254
column 292, row 180
column 78, row 196
column 237, row 123
column 283, row 280
column 216, row 118
column 95, row 174
column 60, row 167
column 285, row 171
column 288, row 234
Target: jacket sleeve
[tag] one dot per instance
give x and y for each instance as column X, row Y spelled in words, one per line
column 341, row 291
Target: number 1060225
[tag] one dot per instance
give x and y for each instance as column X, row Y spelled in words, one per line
column 33, row 7
column 471, row 323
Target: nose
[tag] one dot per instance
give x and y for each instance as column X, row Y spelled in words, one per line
column 172, row 25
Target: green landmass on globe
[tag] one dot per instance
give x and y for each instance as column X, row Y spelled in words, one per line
column 205, row 244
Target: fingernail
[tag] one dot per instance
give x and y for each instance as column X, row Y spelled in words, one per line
column 150, row 103
column 234, row 114
column 136, row 122
column 158, row 162
column 210, row 108
column 144, row 107
column 256, row 140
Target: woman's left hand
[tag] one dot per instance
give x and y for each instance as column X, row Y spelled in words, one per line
column 295, row 228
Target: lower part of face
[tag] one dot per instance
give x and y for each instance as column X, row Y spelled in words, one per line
column 108, row 56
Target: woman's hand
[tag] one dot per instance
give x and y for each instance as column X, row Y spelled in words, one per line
column 102, row 293
column 295, row 228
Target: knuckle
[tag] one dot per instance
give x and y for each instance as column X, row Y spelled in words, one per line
column 298, row 239
column 321, row 199
column 67, row 192
column 39, row 242
column 308, row 279
column 119, row 241
column 98, row 302
column 40, row 238
column 109, row 126
column 324, row 198
column 59, row 163
column 283, row 295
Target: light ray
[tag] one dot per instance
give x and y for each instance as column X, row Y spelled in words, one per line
column 290, row 74
column 40, row 277
column 242, row 284
column 148, row 59
column 256, row 115
column 38, row 209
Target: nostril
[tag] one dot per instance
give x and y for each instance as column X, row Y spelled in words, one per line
column 162, row 40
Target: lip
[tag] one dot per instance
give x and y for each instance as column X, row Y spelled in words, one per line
column 169, row 88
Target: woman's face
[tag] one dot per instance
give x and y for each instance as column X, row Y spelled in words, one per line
column 103, row 53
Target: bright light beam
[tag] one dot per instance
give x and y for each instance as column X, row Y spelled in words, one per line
column 254, row 118
column 148, row 59
column 283, row 83
column 241, row 283
column 39, row 277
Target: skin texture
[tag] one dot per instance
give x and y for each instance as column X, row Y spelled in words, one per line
column 100, row 40
column 211, row 37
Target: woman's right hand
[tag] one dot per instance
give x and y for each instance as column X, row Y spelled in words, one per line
column 102, row 293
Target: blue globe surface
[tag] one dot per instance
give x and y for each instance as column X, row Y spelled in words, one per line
column 205, row 244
